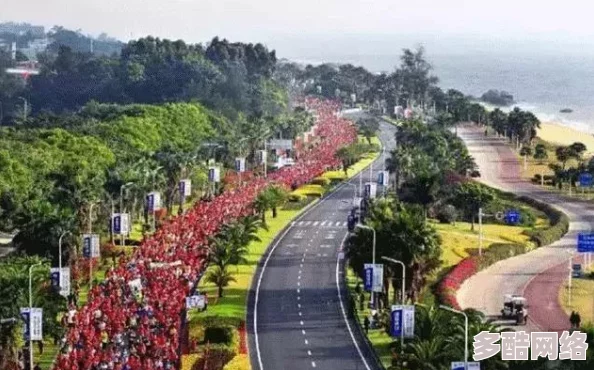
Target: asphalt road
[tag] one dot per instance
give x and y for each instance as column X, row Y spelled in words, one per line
column 537, row 275
column 297, row 306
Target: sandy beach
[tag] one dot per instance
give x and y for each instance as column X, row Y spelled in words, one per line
column 563, row 135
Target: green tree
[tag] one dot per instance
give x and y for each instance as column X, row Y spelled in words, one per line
column 540, row 153
column 219, row 277
column 470, row 196
column 368, row 127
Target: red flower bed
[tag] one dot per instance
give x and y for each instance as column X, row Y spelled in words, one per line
column 450, row 284
column 140, row 329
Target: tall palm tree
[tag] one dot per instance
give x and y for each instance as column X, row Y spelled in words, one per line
column 219, row 277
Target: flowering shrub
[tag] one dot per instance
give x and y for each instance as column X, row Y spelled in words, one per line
column 182, row 241
column 449, row 285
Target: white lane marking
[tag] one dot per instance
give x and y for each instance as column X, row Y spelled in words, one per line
column 298, row 284
column 298, row 291
column 306, row 342
column 323, row 223
column 303, row 259
column 302, row 331
column 313, row 364
column 301, row 265
column 309, row 352
column 299, row 277
column 256, row 299
column 344, row 223
column 324, row 254
column 301, row 322
column 307, row 223
column 326, row 246
column 300, row 223
column 298, row 305
column 300, row 313
column 338, row 223
column 346, row 320
column 315, row 223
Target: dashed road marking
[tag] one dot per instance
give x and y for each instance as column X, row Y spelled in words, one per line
column 302, row 331
column 313, row 364
column 309, row 352
column 306, row 342
column 301, row 322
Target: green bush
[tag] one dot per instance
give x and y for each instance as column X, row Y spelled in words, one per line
column 216, row 356
column 222, row 334
column 559, row 223
column 498, row 252
column 320, row 181
column 296, row 197
column 447, row 214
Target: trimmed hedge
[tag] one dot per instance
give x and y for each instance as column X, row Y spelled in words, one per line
column 559, row 223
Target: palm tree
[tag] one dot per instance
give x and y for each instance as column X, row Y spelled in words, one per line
column 428, row 354
column 219, row 277
column 262, row 204
column 278, row 197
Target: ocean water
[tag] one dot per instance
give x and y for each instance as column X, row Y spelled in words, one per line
column 542, row 82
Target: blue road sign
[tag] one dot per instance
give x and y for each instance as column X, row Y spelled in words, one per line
column 396, row 323
column 586, row 179
column 368, row 278
column 87, row 247
column 55, row 279
column 512, row 216
column 585, row 243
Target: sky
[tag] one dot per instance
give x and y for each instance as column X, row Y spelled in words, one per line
column 306, row 28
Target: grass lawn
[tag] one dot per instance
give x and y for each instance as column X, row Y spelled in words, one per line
column 582, row 297
column 50, row 351
column 458, row 239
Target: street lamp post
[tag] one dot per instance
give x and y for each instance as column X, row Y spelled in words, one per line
column 402, row 299
column 60, row 250
column 354, row 194
column 570, row 267
column 126, row 185
column 30, row 310
column 91, row 215
column 25, row 107
column 361, row 226
column 465, row 332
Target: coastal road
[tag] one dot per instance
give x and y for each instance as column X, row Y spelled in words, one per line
column 298, row 303
column 539, row 274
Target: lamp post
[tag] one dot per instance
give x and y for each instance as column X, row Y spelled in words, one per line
column 91, row 215
column 402, row 299
column 465, row 332
column 30, row 310
column 60, row 250
column 126, row 185
column 354, row 194
column 361, row 226
column 25, row 107
column 570, row 267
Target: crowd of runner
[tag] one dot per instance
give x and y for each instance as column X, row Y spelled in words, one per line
column 133, row 318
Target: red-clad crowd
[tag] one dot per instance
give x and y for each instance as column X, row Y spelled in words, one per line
column 132, row 319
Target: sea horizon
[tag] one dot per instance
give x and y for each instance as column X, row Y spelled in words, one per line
column 541, row 83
